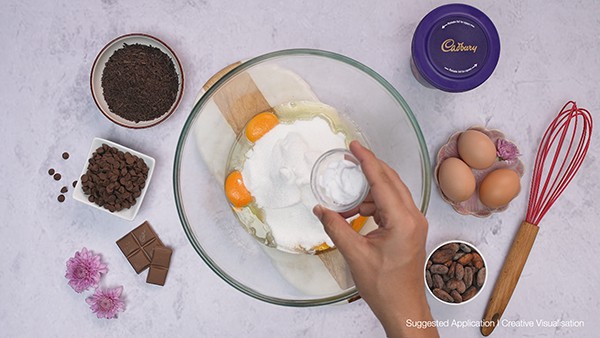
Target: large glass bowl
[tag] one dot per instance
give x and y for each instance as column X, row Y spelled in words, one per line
column 359, row 95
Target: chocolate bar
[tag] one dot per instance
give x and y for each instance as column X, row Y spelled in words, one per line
column 138, row 245
column 159, row 267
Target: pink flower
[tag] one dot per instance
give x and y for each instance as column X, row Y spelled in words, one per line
column 506, row 150
column 84, row 270
column 105, row 303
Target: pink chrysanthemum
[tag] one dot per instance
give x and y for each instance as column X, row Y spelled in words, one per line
column 84, row 270
column 106, row 303
column 506, row 150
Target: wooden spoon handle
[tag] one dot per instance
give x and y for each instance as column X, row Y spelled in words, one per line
column 509, row 275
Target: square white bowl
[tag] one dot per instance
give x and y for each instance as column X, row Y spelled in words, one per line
column 129, row 213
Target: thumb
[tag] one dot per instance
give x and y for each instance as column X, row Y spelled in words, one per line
column 340, row 232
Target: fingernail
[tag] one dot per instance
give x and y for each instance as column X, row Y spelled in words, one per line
column 318, row 211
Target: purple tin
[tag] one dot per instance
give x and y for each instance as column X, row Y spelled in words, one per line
column 455, row 48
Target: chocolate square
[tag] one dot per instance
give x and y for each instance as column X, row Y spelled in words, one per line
column 159, row 267
column 139, row 261
column 128, row 244
column 144, row 233
column 157, row 276
column 138, row 245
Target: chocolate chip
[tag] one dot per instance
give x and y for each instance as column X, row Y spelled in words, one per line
column 65, row 155
column 57, row 177
column 61, row 198
column 74, row 184
column 51, row 171
column 64, row 190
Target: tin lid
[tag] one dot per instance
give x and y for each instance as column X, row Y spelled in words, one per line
column 456, row 47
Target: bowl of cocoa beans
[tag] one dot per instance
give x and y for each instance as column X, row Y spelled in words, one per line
column 455, row 272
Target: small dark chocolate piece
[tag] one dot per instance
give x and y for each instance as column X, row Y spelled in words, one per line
column 138, row 245
column 51, row 171
column 65, row 155
column 159, row 267
column 61, row 198
column 74, row 184
column 64, row 190
column 57, row 177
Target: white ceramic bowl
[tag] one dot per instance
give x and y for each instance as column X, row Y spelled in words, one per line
column 130, row 213
column 98, row 68
column 473, row 247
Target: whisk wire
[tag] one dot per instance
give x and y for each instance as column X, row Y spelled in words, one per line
column 570, row 125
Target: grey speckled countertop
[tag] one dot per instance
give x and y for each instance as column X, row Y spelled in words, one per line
column 550, row 54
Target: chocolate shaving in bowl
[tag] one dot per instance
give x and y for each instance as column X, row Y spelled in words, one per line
column 139, row 83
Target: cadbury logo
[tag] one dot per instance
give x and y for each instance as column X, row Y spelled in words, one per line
column 449, row 45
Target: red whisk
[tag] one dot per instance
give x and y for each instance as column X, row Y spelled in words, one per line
column 560, row 155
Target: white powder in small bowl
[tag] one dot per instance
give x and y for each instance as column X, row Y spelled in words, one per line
column 342, row 182
column 277, row 173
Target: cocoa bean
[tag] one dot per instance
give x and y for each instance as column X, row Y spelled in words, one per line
column 451, row 270
column 451, row 246
column 469, row 293
column 480, row 277
column 468, row 279
column 477, row 260
column 458, row 255
column 465, row 248
column 443, row 295
column 428, row 279
column 459, row 271
column 453, row 284
column 438, row 282
column 456, row 296
column 429, row 264
column 439, row 269
column 466, row 259
column 442, row 256
column 448, row 263
column 478, row 264
column 461, row 287
column 445, row 277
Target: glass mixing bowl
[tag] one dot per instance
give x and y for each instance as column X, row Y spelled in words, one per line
column 230, row 99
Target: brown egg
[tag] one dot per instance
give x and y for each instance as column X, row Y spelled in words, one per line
column 499, row 187
column 476, row 149
column 456, row 179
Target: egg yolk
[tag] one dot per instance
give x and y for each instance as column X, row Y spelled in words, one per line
column 236, row 191
column 356, row 224
column 259, row 125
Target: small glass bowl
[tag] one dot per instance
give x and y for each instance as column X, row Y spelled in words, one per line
column 328, row 161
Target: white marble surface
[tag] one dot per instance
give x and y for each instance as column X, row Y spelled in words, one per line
column 549, row 55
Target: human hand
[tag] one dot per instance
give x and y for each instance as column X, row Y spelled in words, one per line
column 387, row 263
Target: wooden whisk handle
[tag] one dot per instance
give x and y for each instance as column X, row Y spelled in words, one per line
column 509, row 275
